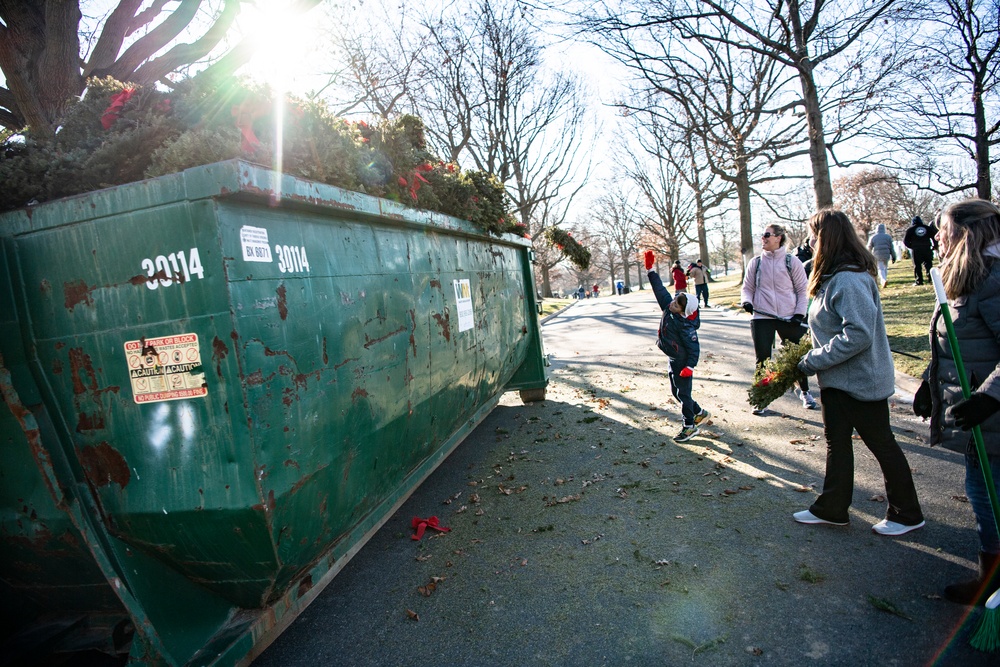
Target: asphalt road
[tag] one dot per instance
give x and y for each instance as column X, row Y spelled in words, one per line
column 581, row 534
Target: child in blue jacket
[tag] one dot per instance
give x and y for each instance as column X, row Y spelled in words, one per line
column 678, row 338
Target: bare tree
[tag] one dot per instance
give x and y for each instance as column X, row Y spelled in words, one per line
column 951, row 102
column 138, row 42
column 872, row 197
column 376, row 59
column 490, row 100
column 667, row 207
column 617, row 224
column 727, row 248
column 797, row 35
column 726, row 113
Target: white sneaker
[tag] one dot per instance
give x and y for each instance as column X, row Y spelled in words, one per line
column 805, row 516
column 808, row 402
column 893, row 529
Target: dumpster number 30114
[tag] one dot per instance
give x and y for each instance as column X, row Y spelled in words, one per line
column 177, row 267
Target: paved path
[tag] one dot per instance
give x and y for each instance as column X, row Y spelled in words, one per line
column 582, row 535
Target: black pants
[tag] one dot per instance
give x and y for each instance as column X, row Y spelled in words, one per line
column 701, row 291
column 922, row 257
column 842, row 414
column 763, row 332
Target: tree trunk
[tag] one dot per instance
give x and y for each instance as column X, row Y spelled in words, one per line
column 702, row 233
column 546, row 285
column 817, row 142
column 984, row 183
column 747, row 244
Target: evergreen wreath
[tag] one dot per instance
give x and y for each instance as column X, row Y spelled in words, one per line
column 778, row 374
column 564, row 241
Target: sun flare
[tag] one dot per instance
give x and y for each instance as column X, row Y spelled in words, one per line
column 283, row 39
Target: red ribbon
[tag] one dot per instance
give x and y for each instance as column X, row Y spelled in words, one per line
column 115, row 108
column 420, row 525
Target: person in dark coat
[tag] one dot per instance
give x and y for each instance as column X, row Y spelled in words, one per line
column 920, row 239
column 970, row 270
column 678, row 339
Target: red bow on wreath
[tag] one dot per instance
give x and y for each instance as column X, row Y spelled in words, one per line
column 416, row 179
column 420, row 525
column 115, row 108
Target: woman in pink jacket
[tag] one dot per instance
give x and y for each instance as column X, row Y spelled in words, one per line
column 774, row 292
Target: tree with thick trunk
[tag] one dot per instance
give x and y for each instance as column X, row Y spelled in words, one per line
column 45, row 66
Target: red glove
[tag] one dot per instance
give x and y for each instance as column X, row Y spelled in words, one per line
column 687, row 372
column 649, row 258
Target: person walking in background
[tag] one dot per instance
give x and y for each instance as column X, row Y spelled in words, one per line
column 699, row 275
column 920, row 239
column 853, row 365
column 680, row 280
column 597, row 289
column 774, row 292
column 678, row 338
column 884, row 249
column 804, row 252
column 969, row 241
column 620, row 286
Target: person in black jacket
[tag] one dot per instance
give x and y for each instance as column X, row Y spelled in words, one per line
column 970, row 273
column 921, row 241
column 678, row 339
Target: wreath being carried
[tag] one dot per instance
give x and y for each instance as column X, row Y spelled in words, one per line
column 778, row 374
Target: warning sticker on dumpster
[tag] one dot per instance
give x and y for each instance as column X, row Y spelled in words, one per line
column 167, row 368
column 255, row 245
column 463, row 295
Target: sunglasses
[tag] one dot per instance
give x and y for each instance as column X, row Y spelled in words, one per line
column 767, row 235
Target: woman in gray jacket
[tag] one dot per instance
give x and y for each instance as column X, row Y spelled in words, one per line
column 969, row 242
column 853, row 366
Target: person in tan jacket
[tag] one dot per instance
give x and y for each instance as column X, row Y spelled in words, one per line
column 698, row 273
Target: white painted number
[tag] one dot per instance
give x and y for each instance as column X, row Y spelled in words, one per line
column 177, row 267
column 292, row 259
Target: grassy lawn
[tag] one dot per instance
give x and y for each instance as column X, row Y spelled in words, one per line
column 907, row 308
column 550, row 306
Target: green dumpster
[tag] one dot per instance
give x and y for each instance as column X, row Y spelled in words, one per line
column 217, row 385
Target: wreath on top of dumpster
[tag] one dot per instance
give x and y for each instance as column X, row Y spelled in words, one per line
column 120, row 133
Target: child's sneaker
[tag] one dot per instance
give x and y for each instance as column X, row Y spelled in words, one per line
column 702, row 416
column 686, row 434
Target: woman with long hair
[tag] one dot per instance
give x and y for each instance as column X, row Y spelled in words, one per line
column 853, row 367
column 969, row 243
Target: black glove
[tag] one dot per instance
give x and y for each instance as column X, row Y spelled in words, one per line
column 747, row 306
column 797, row 319
column 922, row 406
column 974, row 410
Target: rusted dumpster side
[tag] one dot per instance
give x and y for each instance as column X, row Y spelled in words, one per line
column 219, row 383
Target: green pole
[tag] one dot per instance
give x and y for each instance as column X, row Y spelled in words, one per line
column 977, row 434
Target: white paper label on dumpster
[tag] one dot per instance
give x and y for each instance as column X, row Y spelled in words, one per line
column 167, row 368
column 255, row 245
column 463, row 295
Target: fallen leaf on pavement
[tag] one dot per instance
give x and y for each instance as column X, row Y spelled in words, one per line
column 564, row 499
column 878, row 498
column 412, row 615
